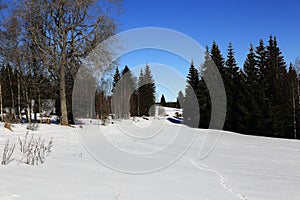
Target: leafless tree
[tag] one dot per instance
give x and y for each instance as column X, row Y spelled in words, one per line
column 65, row 32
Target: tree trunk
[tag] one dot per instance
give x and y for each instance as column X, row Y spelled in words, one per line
column 19, row 98
column 63, row 97
column 11, row 92
column 28, row 107
column 39, row 104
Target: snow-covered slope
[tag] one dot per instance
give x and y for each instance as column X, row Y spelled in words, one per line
column 239, row 167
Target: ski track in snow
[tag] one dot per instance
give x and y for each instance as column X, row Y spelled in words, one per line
column 222, row 178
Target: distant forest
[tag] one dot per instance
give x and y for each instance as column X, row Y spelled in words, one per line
column 263, row 96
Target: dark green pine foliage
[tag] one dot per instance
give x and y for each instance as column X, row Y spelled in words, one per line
column 261, row 61
column 204, row 97
column 141, row 93
column 231, row 79
column 163, row 101
column 292, row 95
column 296, row 67
column 180, row 99
column 217, row 57
column 275, row 75
column 116, row 98
column 264, row 123
column 219, row 62
column 250, row 68
column 146, row 93
column 116, row 78
column 240, row 102
column 190, row 105
column 128, row 87
column 252, row 92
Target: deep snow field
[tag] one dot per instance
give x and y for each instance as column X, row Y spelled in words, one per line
column 238, row 167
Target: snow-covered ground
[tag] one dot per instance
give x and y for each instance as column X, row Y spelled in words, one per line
column 238, row 167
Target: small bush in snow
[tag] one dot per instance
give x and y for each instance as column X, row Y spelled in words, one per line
column 7, row 153
column 34, row 150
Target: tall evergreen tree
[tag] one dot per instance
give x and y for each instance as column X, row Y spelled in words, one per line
column 232, row 89
column 241, row 102
column 180, row 99
column 275, row 75
column 116, row 77
column 146, row 93
column 204, row 97
column 150, row 91
column 232, row 68
column 254, row 115
column 293, row 103
column 140, row 92
column 127, row 91
column 116, row 100
column 250, row 68
column 217, row 57
column 191, row 110
column 163, row 101
column 265, row 123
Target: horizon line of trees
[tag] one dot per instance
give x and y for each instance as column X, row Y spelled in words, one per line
column 263, row 96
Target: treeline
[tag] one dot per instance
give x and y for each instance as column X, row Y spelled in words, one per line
column 130, row 96
column 42, row 46
column 263, row 96
column 24, row 93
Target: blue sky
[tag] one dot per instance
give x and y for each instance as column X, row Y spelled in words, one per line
column 236, row 21
column 239, row 22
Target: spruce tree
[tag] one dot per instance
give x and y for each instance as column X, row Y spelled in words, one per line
column 146, row 93
column 150, row 92
column 116, row 99
column 163, row 101
column 293, row 103
column 232, row 89
column 180, row 99
column 230, row 63
column 127, row 87
column 191, row 106
column 240, row 103
column 254, row 115
column 250, row 68
column 141, row 93
column 204, row 97
column 264, row 122
column 116, row 78
column 217, row 57
column 275, row 75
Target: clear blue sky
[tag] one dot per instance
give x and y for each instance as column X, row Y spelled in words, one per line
column 239, row 22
